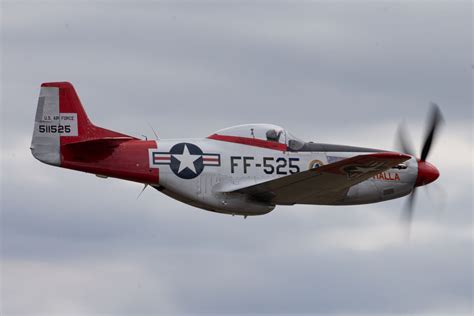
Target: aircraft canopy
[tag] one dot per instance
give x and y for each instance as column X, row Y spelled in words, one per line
column 263, row 132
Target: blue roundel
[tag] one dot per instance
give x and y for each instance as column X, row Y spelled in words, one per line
column 186, row 160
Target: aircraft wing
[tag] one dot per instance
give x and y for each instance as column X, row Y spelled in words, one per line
column 330, row 182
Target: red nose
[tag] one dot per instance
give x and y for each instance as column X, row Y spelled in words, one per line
column 427, row 173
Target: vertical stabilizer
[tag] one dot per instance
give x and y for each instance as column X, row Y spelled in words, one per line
column 60, row 120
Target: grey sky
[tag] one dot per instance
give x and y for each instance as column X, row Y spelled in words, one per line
column 345, row 72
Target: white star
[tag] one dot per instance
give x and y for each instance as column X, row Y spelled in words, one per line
column 186, row 160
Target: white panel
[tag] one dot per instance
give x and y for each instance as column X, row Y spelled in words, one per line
column 45, row 144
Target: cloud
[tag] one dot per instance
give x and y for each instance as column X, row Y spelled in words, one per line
column 339, row 73
column 82, row 288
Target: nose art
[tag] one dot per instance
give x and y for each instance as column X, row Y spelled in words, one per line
column 427, row 173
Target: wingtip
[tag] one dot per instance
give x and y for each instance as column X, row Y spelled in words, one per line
column 391, row 154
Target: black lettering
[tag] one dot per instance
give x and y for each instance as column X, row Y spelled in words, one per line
column 232, row 163
column 54, row 129
column 246, row 164
column 294, row 168
column 282, row 164
column 269, row 169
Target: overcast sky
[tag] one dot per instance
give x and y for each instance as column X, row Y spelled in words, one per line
column 339, row 72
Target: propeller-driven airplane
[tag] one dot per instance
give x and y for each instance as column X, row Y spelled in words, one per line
column 241, row 170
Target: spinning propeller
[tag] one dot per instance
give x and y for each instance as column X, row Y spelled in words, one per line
column 427, row 173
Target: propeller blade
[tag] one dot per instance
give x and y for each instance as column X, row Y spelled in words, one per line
column 407, row 215
column 435, row 119
column 403, row 142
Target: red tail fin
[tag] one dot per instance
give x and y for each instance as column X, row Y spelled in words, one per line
column 71, row 109
column 61, row 120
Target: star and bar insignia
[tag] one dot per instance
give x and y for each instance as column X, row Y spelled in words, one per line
column 186, row 160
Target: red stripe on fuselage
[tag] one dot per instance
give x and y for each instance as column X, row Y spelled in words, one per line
column 250, row 142
column 210, row 159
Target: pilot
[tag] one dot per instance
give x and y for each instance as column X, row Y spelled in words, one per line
column 273, row 135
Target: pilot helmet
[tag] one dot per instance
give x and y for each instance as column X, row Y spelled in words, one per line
column 273, row 135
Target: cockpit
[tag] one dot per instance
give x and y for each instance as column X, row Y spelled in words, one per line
column 275, row 137
column 262, row 135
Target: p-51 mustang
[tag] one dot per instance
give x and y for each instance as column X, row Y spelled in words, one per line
column 241, row 170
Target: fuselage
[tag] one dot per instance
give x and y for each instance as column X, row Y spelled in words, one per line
column 222, row 164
